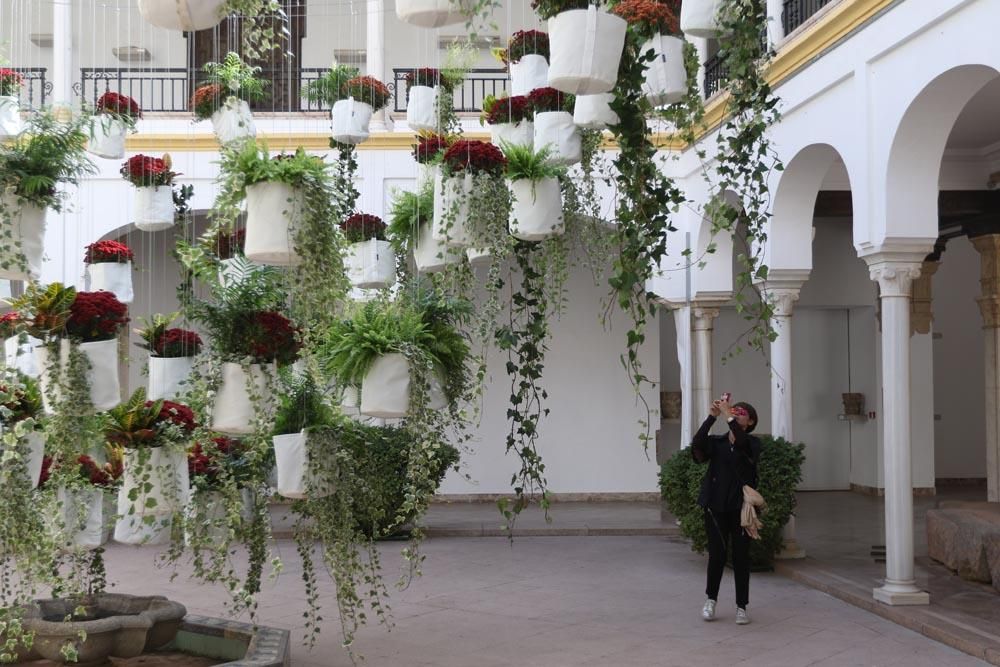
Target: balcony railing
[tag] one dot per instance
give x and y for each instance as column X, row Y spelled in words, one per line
column 795, row 12
column 468, row 97
column 715, row 75
column 35, row 89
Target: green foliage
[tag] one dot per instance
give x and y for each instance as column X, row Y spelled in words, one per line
column 20, row 397
column 264, row 26
column 236, row 77
column 523, row 162
column 152, row 329
column 133, row 424
column 246, row 165
column 329, row 88
column 409, row 211
column 45, row 309
column 302, row 406
column 779, row 472
column 546, row 9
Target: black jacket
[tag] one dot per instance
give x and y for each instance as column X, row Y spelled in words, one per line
column 730, row 465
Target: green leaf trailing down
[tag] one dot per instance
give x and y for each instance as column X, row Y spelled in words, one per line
column 410, row 210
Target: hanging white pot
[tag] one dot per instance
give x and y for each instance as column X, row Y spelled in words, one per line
column 35, row 450
column 557, row 130
column 27, row 228
column 371, row 264
column 350, row 398
column 385, row 391
column 185, row 15
column 273, row 213
column 107, row 137
column 297, row 477
column 536, row 213
column 10, row 116
column 585, row 46
column 698, row 18
column 160, row 480
column 154, row 207
column 114, row 277
column 233, row 121
column 529, row 73
column 479, row 256
column 234, row 412
column 425, row 175
column 665, row 79
column 430, row 13
column 452, row 198
column 84, row 517
column 21, row 356
column 593, row 112
column 102, row 377
column 167, row 376
column 350, row 120
column 431, row 256
column 520, row 133
column 421, row 109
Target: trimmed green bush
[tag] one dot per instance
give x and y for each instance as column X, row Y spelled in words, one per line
column 779, row 470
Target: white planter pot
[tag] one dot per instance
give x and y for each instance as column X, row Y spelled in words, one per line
column 166, row 471
column 430, row 13
column 107, row 137
column 167, row 376
column 114, row 277
column 425, row 175
column 10, row 116
column 350, row 120
column 273, row 213
column 21, row 356
column 35, row 452
column 431, row 256
column 233, row 121
column 186, row 15
column 421, row 109
column 536, row 213
column 102, row 378
column 479, row 256
column 28, row 228
column 585, row 46
column 698, row 18
column 297, row 478
column 519, row 134
column 385, row 391
column 557, row 130
column 233, row 412
column 530, row 72
column 85, row 517
column 154, row 208
column 665, row 78
column 593, row 112
column 452, row 198
column 371, row 264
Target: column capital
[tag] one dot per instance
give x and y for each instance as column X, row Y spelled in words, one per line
column 702, row 316
column 895, row 276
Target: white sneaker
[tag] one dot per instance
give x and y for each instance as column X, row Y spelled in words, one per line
column 742, row 616
column 708, row 611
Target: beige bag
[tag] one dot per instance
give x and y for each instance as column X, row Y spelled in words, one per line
column 748, row 517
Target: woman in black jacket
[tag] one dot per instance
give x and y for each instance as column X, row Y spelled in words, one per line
column 732, row 462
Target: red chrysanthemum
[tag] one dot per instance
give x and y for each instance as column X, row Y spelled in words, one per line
column 175, row 343
column 205, row 464
column 649, row 17
column 176, row 413
column 96, row 316
column 429, row 147
column 510, row 110
column 230, row 244
column 363, row 227
column 476, row 156
column 104, row 476
column 423, row 76
column 10, row 324
column 108, row 252
column 548, row 99
column 10, row 81
column 118, row 105
column 206, row 100
column 274, row 338
column 368, row 89
column 524, row 42
column 144, row 170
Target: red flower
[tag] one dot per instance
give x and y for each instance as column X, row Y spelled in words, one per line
column 143, row 170
column 548, row 99
column 176, row 413
column 10, row 81
column 476, row 156
column 118, row 105
column 510, row 110
column 108, row 252
column 429, row 147
column 274, row 338
column 423, row 76
column 104, row 476
column 367, row 89
column 206, row 100
column 650, row 17
column 96, row 316
column 524, row 42
column 46, row 470
column 206, row 464
column 10, row 324
column 175, row 343
column 363, row 227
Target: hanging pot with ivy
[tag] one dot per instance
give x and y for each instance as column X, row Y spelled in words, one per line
column 153, row 179
column 656, row 23
column 510, row 120
column 699, row 18
column 25, row 221
column 183, row 15
column 114, row 116
column 23, row 402
column 431, row 13
column 302, row 470
column 224, row 97
column 554, row 126
column 422, row 90
column 86, row 516
column 274, row 210
column 370, row 261
column 109, row 269
column 536, row 210
column 171, row 357
column 463, row 160
column 528, row 59
column 359, row 99
column 234, row 410
column 585, row 48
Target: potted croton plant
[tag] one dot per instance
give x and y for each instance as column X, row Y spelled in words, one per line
column 10, row 107
column 464, row 161
column 370, row 261
column 656, row 24
column 699, row 18
column 432, row 13
column 302, row 473
column 184, row 15
column 85, row 498
column 109, row 269
column 359, row 98
column 585, row 45
column 511, row 119
column 410, row 232
column 423, row 87
column 223, row 98
column 171, row 356
column 554, row 126
column 153, row 207
column 114, row 116
column 536, row 211
column 528, row 60
column 20, row 417
column 155, row 436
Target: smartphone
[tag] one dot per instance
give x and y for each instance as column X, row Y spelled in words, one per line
column 726, row 396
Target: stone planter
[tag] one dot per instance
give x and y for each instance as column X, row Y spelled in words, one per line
column 28, row 228
column 185, row 15
column 585, row 46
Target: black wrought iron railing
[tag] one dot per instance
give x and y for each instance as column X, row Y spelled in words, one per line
column 34, row 89
column 795, row 12
column 468, row 97
column 715, row 75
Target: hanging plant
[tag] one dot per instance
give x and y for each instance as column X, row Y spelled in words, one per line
column 171, row 356
column 510, row 119
column 21, row 404
column 583, row 68
column 114, row 116
column 10, row 107
column 536, row 211
column 467, row 165
column 422, row 91
column 109, row 268
column 656, row 24
column 527, row 57
column 358, row 99
column 409, row 231
column 224, row 98
column 302, row 470
column 153, row 179
column 429, row 153
column 370, row 260
column 554, row 127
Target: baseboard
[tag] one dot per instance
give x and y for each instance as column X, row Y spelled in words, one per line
column 961, row 481
column 877, row 491
column 624, row 497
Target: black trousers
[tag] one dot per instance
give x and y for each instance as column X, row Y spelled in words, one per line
column 723, row 527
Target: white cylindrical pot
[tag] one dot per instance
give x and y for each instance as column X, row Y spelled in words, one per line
column 21, row 356
column 107, row 137
column 35, row 450
column 385, row 391
column 425, row 175
column 593, row 112
column 530, row 72
column 102, row 377
column 430, row 13
column 184, row 15
column 557, row 130
column 371, row 264
column 518, row 134
column 431, row 256
column 698, row 18
column 147, row 520
column 585, row 46
column 154, row 207
column 421, row 109
column 665, row 78
column 452, row 199
column 10, row 116
column 234, row 412
column 479, row 256
column 233, row 121
column 167, row 377
column 273, row 213
column 84, row 516
column 350, row 120
column 114, row 277
column 297, row 478
column 28, row 228
column 536, row 213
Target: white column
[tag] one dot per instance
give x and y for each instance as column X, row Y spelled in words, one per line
column 775, row 27
column 701, row 46
column 702, row 324
column 988, row 246
column 62, row 53
column 375, row 54
column 895, row 278
column 682, row 324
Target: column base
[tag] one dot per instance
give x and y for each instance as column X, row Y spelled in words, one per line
column 791, row 551
column 896, row 596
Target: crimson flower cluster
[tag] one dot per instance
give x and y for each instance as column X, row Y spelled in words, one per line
column 367, row 89
column 10, row 324
column 205, row 467
column 525, row 42
column 429, row 147
column 144, row 170
column 363, row 227
column 273, row 338
column 121, row 106
column 230, row 244
column 177, row 414
column 10, row 81
column 173, row 343
column 510, row 110
column 479, row 157
column 206, row 100
column 423, row 76
column 105, row 476
column 96, row 316
column 650, row 17
column 549, row 99
column 108, row 252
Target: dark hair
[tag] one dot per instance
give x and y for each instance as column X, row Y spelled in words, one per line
column 751, row 412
